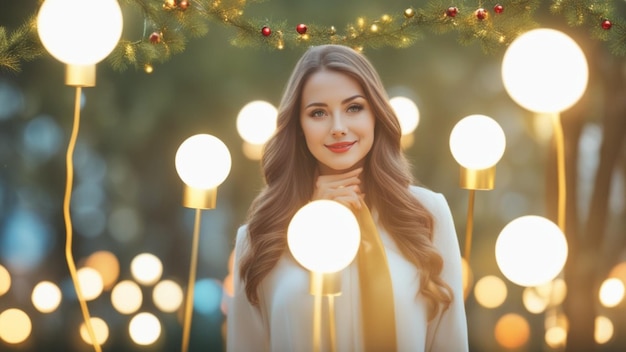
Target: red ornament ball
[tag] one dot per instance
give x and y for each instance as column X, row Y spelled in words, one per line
column 266, row 31
column 452, row 11
column 481, row 14
column 183, row 4
column 498, row 8
column 301, row 28
column 155, row 38
column 606, row 25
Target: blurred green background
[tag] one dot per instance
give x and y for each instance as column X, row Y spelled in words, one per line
column 127, row 195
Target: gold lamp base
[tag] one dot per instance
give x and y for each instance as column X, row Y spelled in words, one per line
column 80, row 75
column 483, row 179
column 330, row 283
column 197, row 198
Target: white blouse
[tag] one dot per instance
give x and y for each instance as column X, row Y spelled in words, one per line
column 283, row 321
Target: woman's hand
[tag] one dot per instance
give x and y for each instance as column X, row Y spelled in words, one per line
column 343, row 188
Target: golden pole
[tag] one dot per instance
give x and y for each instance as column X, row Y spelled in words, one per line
column 190, row 284
column 316, row 287
column 68, row 222
column 469, row 225
column 560, row 155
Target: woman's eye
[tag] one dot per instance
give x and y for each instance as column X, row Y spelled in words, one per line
column 355, row 108
column 317, row 113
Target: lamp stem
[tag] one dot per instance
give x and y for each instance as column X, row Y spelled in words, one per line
column 191, row 282
column 331, row 318
column 469, row 225
column 560, row 154
column 68, row 222
column 316, row 281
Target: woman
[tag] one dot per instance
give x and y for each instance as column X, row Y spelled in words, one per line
column 338, row 138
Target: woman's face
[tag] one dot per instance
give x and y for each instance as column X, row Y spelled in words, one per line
column 337, row 121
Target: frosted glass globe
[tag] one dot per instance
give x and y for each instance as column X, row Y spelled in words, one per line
column 80, row 32
column 477, row 142
column 256, row 121
column 203, row 161
column 324, row 236
column 545, row 71
column 531, row 250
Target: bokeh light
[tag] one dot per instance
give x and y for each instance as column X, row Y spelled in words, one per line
column 555, row 336
column 126, row 297
column 207, row 296
column 5, row 280
column 512, row 331
column 167, row 296
column 146, row 268
column 46, row 296
column 26, row 240
column 407, row 112
column 15, row 326
column 490, row 291
column 611, row 292
column 604, row 330
column 107, row 264
column 100, row 329
column 144, row 329
column 90, row 283
column 256, row 122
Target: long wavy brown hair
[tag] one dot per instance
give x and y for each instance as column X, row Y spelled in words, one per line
column 289, row 170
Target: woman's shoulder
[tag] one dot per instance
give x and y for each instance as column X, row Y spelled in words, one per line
column 427, row 196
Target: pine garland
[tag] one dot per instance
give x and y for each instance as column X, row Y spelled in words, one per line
column 170, row 24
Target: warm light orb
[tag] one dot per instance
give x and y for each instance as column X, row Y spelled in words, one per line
column 256, row 121
column 604, row 330
column 545, row 71
column 100, row 329
column 15, row 326
column 107, row 264
column 167, row 296
column 555, row 336
column 144, row 329
column 90, row 283
column 146, row 268
column 407, row 112
column 203, row 161
column 512, row 331
column 46, row 297
column 126, row 297
column 531, row 250
column 5, row 280
column 80, row 32
column 490, row 291
column 324, row 236
column 611, row 292
column 477, row 142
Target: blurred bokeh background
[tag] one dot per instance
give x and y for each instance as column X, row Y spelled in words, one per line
column 126, row 203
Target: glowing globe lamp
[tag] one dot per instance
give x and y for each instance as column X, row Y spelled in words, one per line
column 256, row 121
column 477, row 143
column 545, row 71
column 407, row 112
column 324, row 236
column 203, row 162
column 80, row 33
column 531, row 250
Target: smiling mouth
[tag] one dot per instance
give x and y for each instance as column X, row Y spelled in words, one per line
column 340, row 147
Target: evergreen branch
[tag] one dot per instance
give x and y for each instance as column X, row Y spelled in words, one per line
column 170, row 24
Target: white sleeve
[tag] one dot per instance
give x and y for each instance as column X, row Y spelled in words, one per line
column 245, row 328
column 448, row 331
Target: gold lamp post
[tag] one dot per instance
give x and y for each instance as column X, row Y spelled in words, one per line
column 324, row 248
column 203, row 162
column 477, row 143
column 79, row 33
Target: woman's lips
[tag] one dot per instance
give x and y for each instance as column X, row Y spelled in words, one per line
column 340, row 147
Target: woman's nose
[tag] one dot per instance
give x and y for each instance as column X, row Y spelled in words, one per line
column 339, row 128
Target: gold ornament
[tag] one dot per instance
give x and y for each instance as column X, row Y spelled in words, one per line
column 409, row 13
